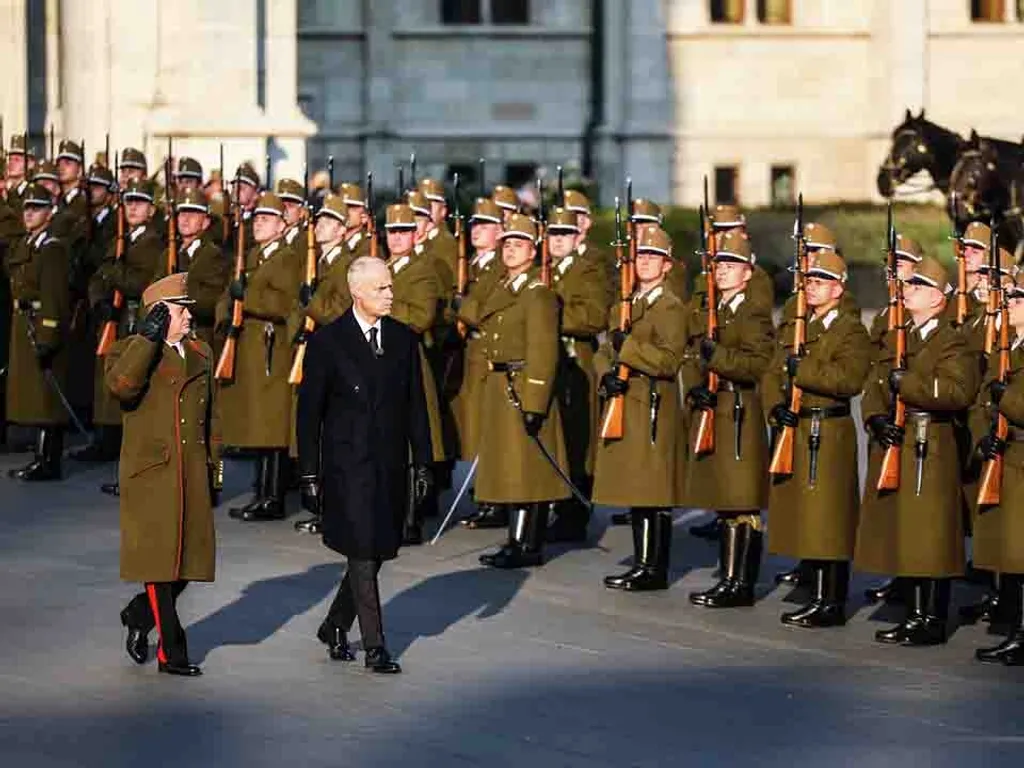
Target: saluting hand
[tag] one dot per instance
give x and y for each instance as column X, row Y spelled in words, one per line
column 154, row 327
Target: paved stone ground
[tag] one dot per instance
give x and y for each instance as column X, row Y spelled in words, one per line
column 542, row 668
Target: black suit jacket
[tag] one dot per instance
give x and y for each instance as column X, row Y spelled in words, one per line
column 360, row 420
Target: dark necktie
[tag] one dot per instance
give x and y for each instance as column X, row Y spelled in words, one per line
column 377, row 351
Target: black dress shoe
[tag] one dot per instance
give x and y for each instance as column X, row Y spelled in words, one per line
column 891, row 636
column 379, row 660
column 1009, row 652
column 816, row 615
column 709, row 531
column 181, row 670
column 111, row 489
column 491, row 516
column 37, row 472
column 261, row 511
column 618, row 581
column 512, row 556
column 638, row 580
column 986, row 610
column 312, row 525
column 927, row 630
column 728, row 593
column 137, row 644
column 337, row 644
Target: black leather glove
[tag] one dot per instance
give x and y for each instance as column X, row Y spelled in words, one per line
column 892, row 435
column 707, row 349
column 703, row 398
column 876, row 427
column 895, row 379
column 158, row 320
column 45, row 354
column 422, row 483
column 456, row 302
column 104, row 310
column 792, row 365
column 611, row 385
column 784, row 417
column 618, row 338
column 997, row 389
column 236, row 289
column 301, row 336
column 533, row 422
column 309, row 494
column 305, row 295
column 991, row 447
column 24, row 304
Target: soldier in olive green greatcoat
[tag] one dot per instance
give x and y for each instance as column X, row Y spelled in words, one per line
column 999, row 530
column 439, row 237
column 486, row 270
column 518, row 322
column 171, row 445
column 357, row 220
column 17, row 172
column 916, row 531
column 209, row 270
column 38, row 272
column 581, row 287
column 127, row 273
column 417, row 292
column 974, row 244
column 731, row 479
column 598, row 253
column 256, row 404
column 644, row 470
column 293, row 195
column 813, row 509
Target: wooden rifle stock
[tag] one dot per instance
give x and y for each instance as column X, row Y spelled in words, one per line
column 990, row 489
column 704, row 441
column 889, row 475
column 461, row 259
column 108, row 334
column 613, row 425
column 225, row 370
column 308, row 324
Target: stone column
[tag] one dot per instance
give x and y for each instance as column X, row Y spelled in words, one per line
column 379, row 150
column 284, row 120
column 14, row 83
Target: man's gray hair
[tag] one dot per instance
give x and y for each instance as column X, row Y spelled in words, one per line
column 359, row 268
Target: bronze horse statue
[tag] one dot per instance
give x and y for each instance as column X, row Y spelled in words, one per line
column 919, row 145
column 988, row 181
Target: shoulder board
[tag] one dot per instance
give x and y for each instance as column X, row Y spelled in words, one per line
column 655, row 294
column 400, row 264
column 270, row 248
column 830, row 318
column 536, row 284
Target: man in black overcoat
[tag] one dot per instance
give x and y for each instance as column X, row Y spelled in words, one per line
column 361, row 420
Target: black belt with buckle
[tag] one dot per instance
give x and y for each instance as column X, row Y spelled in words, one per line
column 511, row 366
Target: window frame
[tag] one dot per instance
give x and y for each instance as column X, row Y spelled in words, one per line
column 996, row 18
column 774, row 173
column 761, row 13
column 485, row 12
column 735, row 170
column 725, row 21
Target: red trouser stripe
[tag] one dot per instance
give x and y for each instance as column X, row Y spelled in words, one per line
column 151, row 593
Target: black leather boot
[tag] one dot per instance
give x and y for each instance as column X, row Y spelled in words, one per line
column 136, row 645
column 313, row 524
column 709, row 531
column 271, row 506
column 926, row 615
column 726, row 546
column 891, row 592
column 259, row 486
column 652, row 541
column 1011, row 650
column 802, row 575
column 525, row 539
column 47, row 465
column 37, row 459
column 639, row 526
column 741, row 566
column 827, row 608
column 491, row 516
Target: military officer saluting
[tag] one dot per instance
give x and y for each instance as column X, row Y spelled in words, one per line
column 518, row 320
column 208, row 270
column 645, row 469
column 268, row 291
column 813, row 510
column 732, row 477
column 581, row 287
column 16, row 173
column 171, row 444
column 37, row 269
column 916, row 530
column 485, row 271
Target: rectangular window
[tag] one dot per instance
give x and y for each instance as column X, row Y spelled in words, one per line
column 1020, row 10
column 725, row 185
column 726, row 11
column 783, row 185
column 988, row 11
column 461, row 12
column 510, row 11
column 774, row 11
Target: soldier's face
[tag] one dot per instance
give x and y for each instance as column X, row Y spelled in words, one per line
column 98, row 194
column 517, row 254
column 1016, row 308
column 732, row 275
column 356, row 217
column 821, row 291
column 400, row 241
column 651, row 267
column 245, row 194
column 974, row 258
column 506, row 214
column 922, row 298
column 267, row 227
column 561, row 244
column 183, row 183
column 484, row 235
column 191, row 223
column 51, row 186
column 328, row 230
column 35, row 217
column 292, row 212
column 67, row 170
column 138, row 212
column 904, row 269
column 15, row 166
column 181, row 323
column 438, row 212
column 584, row 222
column 124, row 175
column 422, row 222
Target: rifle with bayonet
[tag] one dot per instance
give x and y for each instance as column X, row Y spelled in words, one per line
column 412, row 170
column 613, row 424
column 990, row 488
column 560, row 189
column 782, row 458
column 482, row 164
column 542, row 233
column 371, row 218
column 461, row 260
column 308, row 286
column 961, row 261
column 169, row 194
column 108, row 334
column 225, row 370
column 225, row 191
column 889, row 475
column 704, row 441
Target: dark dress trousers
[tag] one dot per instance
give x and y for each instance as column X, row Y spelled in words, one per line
column 361, row 418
